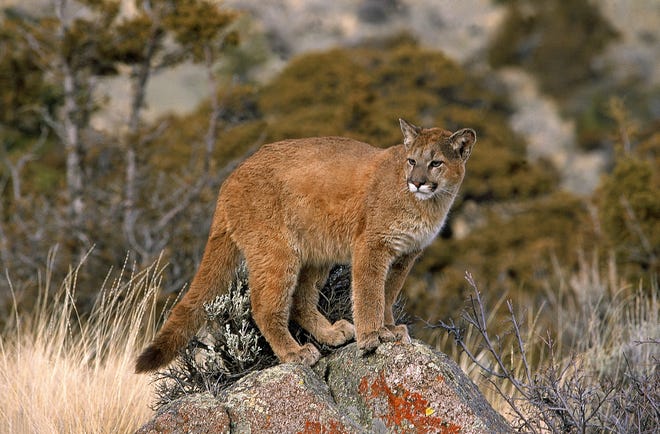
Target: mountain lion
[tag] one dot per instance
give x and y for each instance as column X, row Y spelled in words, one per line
column 297, row 207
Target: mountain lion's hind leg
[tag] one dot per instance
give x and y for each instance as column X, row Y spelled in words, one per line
column 305, row 309
column 272, row 281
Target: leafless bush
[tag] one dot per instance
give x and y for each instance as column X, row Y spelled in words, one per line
column 550, row 392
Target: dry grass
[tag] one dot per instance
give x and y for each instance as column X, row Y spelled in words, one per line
column 63, row 373
column 600, row 354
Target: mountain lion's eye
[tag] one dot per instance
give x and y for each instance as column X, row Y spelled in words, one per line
column 411, row 161
column 435, row 163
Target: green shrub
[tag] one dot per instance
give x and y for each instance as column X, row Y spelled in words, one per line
column 629, row 209
column 511, row 251
column 555, row 40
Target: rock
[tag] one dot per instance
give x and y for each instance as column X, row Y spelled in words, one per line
column 285, row 398
column 199, row 413
column 401, row 388
column 407, row 388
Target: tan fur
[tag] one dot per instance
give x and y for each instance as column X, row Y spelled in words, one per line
column 297, row 207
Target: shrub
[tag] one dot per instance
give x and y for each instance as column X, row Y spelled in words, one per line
column 231, row 346
column 511, row 250
column 555, row 40
column 629, row 210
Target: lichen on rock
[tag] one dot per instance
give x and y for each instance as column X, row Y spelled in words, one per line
column 409, row 389
column 401, row 388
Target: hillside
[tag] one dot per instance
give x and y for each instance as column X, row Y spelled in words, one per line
column 120, row 120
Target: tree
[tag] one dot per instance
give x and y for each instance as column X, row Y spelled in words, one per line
column 200, row 30
column 50, row 69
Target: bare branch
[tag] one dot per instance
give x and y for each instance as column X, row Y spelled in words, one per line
column 141, row 74
column 647, row 341
column 521, row 344
column 16, row 169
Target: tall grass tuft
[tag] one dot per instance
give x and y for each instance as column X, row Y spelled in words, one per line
column 62, row 372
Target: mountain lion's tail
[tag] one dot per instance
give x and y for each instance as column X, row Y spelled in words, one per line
column 214, row 275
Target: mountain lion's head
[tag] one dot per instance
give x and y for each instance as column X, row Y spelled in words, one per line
column 435, row 159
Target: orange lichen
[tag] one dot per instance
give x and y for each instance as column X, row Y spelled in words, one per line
column 403, row 405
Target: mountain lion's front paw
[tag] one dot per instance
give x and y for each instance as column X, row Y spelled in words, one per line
column 370, row 341
column 400, row 332
column 341, row 332
column 308, row 355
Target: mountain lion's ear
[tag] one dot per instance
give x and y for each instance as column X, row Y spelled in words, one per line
column 410, row 132
column 462, row 142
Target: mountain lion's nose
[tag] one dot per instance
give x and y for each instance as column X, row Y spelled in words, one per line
column 417, row 183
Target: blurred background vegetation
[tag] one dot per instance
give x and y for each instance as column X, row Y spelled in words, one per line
column 119, row 121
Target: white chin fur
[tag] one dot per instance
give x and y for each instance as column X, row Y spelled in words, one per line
column 422, row 193
column 423, row 196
